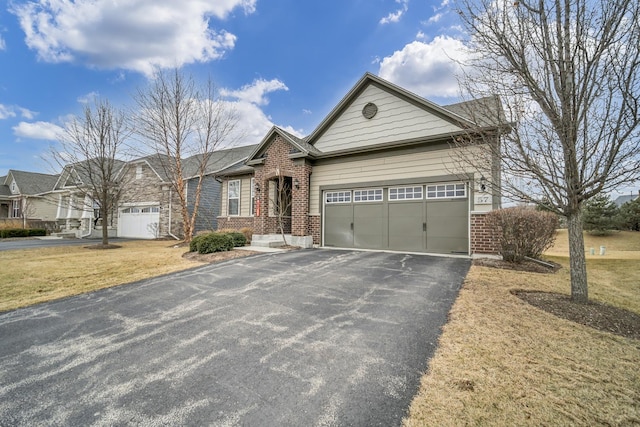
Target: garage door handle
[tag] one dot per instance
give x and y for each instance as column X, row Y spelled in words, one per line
column 424, row 226
column 351, row 226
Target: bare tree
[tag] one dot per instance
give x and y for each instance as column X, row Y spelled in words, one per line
column 567, row 72
column 184, row 123
column 281, row 200
column 91, row 146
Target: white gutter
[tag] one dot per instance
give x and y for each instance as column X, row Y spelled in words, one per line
column 170, row 210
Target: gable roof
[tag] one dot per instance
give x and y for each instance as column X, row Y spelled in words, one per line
column 218, row 160
column 301, row 145
column 32, row 183
column 371, row 79
column 80, row 170
column 4, row 189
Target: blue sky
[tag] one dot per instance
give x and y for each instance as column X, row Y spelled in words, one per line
column 282, row 62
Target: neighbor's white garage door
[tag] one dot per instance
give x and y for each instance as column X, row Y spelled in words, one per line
column 139, row 222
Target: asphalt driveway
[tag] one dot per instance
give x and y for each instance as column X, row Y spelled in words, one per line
column 309, row 337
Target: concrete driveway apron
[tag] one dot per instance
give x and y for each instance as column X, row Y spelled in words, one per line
column 309, row 337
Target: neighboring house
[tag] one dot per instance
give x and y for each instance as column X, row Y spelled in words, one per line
column 379, row 172
column 77, row 213
column 27, row 196
column 5, row 201
column 621, row 200
column 210, row 194
column 148, row 206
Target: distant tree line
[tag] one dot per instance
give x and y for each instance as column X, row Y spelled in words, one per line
column 602, row 216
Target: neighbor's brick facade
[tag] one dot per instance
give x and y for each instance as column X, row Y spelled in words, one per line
column 149, row 188
column 482, row 239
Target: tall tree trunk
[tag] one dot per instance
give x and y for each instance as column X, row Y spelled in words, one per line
column 105, row 229
column 577, row 260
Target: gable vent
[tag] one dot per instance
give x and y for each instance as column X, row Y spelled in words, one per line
column 369, row 110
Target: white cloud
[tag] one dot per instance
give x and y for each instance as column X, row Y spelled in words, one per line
column 89, row 97
column 395, row 16
column 306, row 111
column 255, row 92
column 9, row 111
column 253, row 122
column 27, row 114
column 3, row 44
column 421, row 35
column 6, row 112
column 38, row 130
column 428, row 69
column 435, row 18
column 138, row 35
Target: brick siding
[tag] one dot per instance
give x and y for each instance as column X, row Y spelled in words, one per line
column 235, row 222
column 482, row 239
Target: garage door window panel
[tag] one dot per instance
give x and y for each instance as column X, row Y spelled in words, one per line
column 338, row 197
column 405, row 193
column 372, row 195
column 447, row 191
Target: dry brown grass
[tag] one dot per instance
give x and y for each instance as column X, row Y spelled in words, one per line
column 502, row 361
column 36, row 275
column 6, row 224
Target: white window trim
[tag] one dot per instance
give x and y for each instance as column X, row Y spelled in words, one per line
column 234, row 198
column 343, row 192
column 367, row 190
column 464, row 188
column 252, row 197
column 404, row 187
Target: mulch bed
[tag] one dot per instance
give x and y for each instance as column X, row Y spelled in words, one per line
column 593, row 314
column 101, row 246
column 217, row 256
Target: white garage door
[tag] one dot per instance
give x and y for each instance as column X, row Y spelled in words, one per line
column 140, row 222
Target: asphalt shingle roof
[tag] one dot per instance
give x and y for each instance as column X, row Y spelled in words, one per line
column 31, row 183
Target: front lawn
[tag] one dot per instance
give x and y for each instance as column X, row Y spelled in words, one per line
column 32, row 276
column 502, row 361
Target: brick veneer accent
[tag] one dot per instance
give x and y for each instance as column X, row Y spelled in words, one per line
column 482, row 239
column 314, row 228
column 235, row 222
column 278, row 162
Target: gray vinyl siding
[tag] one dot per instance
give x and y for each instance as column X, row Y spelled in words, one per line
column 209, row 208
column 396, row 120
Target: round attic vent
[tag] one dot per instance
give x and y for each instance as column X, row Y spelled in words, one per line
column 369, row 110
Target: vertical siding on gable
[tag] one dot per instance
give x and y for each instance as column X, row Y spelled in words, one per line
column 396, row 120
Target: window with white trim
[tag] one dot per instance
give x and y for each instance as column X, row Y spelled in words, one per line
column 405, row 193
column 14, row 187
column 16, row 209
column 155, row 209
column 233, row 197
column 337, row 197
column 253, row 196
column 139, row 174
column 446, row 191
column 373, row 195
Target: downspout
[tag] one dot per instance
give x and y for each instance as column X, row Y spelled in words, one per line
column 170, row 211
column 82, row 236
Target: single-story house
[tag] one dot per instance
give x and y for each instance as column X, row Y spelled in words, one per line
column 26, row 196
column 381, row 171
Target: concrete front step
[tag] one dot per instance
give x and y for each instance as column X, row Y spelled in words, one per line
column 267, row 243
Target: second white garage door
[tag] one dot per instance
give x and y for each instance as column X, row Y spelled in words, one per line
column 140, row 222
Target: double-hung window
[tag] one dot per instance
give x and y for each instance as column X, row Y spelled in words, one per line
column 233, row 197
column 16, row 209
